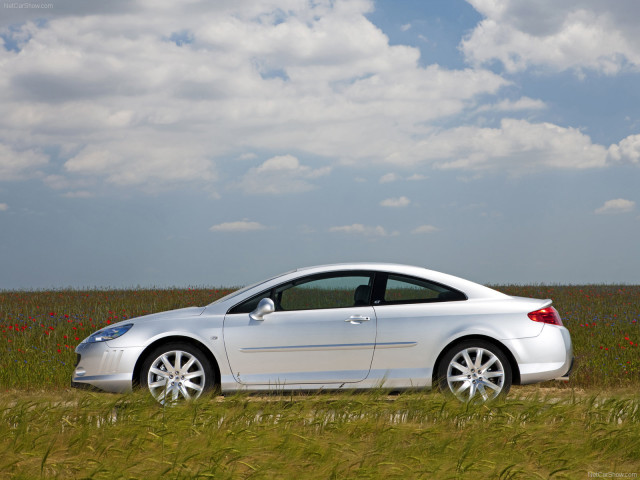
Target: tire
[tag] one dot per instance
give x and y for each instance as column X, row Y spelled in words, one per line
column 176, row 371
column 475, row 370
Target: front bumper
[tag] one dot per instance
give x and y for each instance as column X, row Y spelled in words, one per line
column 106, row 368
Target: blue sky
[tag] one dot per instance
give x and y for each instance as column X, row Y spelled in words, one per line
column 215, row 143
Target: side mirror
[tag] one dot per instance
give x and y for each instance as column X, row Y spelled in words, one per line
column 264, row 307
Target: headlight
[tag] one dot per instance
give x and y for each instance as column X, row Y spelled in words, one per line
column 108, row 333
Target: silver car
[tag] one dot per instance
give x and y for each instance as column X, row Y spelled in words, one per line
column 346, row 326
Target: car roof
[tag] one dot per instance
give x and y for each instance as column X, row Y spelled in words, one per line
column 471, row 289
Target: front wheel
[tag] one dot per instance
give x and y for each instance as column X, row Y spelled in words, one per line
column 176, row 371
column 475, row 370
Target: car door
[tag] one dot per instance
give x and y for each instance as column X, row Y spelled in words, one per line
column 412, row 313
column 323, row 331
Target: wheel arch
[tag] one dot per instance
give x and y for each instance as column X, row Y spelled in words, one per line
column 515, row 370
column 175, row 338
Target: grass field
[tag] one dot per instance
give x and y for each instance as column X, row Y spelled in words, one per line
column 346, row 435
column 555, row 430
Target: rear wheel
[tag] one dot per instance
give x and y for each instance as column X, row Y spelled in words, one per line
column 176, row 371
column 475, row 370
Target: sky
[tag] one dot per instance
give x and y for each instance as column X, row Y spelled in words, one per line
column 156, row 143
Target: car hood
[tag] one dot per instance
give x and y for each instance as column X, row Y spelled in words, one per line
column 169, row 315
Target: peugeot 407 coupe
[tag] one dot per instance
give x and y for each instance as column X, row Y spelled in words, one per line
column 346, row 326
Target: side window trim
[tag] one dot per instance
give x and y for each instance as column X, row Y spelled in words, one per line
column 380, row 288
column 271, row 292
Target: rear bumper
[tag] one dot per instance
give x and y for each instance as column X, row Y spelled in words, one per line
column 565, row 377
column 553, row 345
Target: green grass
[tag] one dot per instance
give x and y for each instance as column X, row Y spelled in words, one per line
column 363, row 435
column 555, row 430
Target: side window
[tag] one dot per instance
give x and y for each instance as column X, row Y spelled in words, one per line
column 338, row 291
column 344, row 289
column 401, row 289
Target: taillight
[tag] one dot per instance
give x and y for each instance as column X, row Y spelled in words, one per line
column 546, row 315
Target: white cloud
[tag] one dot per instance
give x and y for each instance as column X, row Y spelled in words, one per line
column 167, row 102
column 124, row 103
column 626, row 151
column 506, row 105
column 394, row 177
column 396, row 202
column 360, row 229
column 280, row 175
column 417, row 177
column 389, row 177
column 572, row 34
column 78, row 194
column 492, row 214
column 163, row 161
column 239, row 226
column 518, row 146
column 618, row 205
column 4, row 207
column 18, row 165
column 60, row 182
column 405, row 27
column 425, row 229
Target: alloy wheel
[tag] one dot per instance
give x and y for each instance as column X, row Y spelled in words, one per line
column 176, row 375
column 475, row 373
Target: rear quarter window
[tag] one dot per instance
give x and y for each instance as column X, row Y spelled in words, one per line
column 402, row 289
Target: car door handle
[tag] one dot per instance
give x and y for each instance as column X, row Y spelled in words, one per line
column 357, row 319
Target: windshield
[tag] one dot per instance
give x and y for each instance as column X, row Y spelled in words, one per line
column 244, row 289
